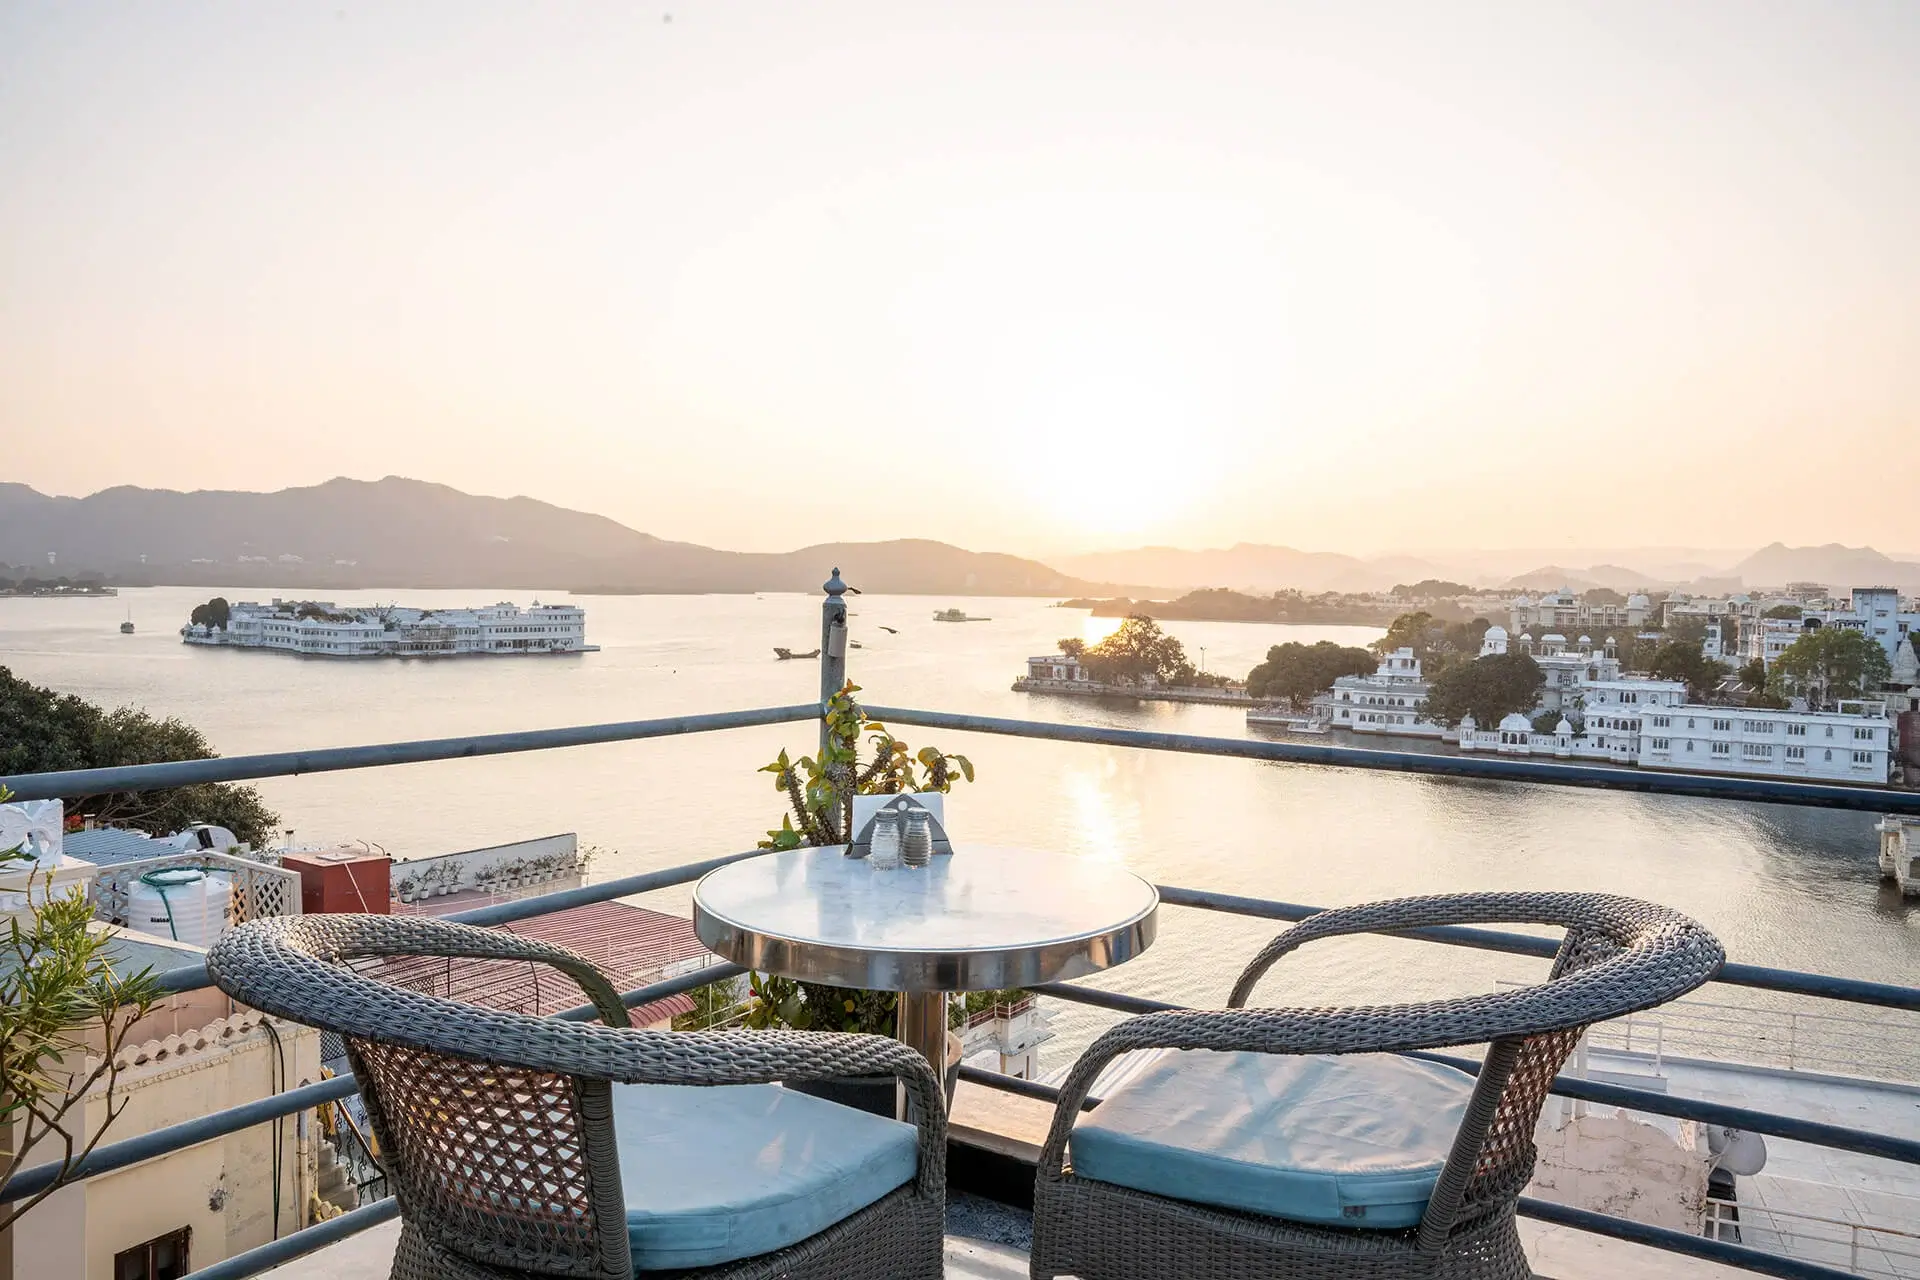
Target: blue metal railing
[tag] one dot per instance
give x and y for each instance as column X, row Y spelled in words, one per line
column 150, row 777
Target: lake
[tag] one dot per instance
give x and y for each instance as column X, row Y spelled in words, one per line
column 1797, row 888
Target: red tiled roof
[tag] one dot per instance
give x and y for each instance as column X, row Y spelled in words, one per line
column 630, row 945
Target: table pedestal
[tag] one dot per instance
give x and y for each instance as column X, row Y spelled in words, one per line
column 923, row 1024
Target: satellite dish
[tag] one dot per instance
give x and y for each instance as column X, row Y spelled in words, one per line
column 1736, row 1151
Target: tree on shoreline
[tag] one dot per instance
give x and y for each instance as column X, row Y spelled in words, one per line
column 1828, row 664
column 42, row 731
column 1138, row 652
column 1296, row 672
column 1489, row 689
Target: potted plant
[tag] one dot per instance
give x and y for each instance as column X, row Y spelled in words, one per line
column 820, row 799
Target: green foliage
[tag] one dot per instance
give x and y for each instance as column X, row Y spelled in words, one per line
column 1296, row 671
column 42, row 731
column 1603, row 595
column 60, row 1003
column 1073, row 646
column 1687, row 629
column 1792, row 611
column 1681, row 660
column 1437, row 644
column 820, row 798
column 1828, row 664
column 1430, row 589
column 1636, row 653
column 1754, row 673
column 1546, row 722
column 214, row 613
column 1136, row 651
column 1489, row 689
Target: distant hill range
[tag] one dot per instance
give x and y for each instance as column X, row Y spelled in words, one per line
column 348, row 534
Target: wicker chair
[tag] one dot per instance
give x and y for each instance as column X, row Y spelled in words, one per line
column 1618, row 956
column 498, row 1130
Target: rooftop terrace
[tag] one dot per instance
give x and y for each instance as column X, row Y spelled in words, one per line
column 1863, row 1135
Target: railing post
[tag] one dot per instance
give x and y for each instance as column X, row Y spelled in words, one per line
column 833, row 646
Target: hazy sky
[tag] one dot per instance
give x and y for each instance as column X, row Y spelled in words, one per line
column 1023, row 276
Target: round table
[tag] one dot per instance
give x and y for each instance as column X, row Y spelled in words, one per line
column 979, row 919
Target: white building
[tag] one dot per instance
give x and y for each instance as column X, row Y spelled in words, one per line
column 1768, row 638
column 1058, row 671
column 1388, row 701
column 1565, row 612
column 1567, row 668
column 1650, row 724
column 1874, row 611
column 320, row 628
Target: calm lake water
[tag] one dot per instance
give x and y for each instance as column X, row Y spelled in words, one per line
column 1796, row 888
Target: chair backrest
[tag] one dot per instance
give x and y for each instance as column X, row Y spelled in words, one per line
column 493, row 1157
column 506, row 1166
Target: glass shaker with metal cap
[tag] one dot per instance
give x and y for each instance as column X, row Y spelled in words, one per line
column 883, row 848
column 916, row 846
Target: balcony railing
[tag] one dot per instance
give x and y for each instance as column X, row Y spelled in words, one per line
column 129, row 1151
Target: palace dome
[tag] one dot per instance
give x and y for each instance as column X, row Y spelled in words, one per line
column 1516, row 723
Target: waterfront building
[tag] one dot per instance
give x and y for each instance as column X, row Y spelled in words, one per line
column 320, row 628
column 1388, row 701
column 1057, row 671
column 1877, row 612
column 1568, row 613
column 1567, row 668
column 1768, row 638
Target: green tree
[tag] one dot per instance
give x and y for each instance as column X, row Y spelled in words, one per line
column 42, row 731
column 1792, row 611
column 214, row 613
column 1296, row 671
column 1073, row 647
column 1603, row 595
column 1139, row 649
column 1489, row 689
column 65, row 1015
column 1679, row 660
column 1828, row 664
column 1438, row 645
column 1430, row 589
column 1636, row 653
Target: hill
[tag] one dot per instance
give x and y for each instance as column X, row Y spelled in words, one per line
column 346, row 534
column 1838, row 567
column 1249, row 566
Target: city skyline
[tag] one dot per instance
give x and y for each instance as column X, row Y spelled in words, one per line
column 1361, row 280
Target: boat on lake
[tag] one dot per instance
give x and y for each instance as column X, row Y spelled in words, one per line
column 126, row 628
column 956, row 615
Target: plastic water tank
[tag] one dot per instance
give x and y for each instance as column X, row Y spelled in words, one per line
column 187, row 904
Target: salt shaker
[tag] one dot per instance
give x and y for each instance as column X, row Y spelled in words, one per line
column 884, row 847
column 916, row 847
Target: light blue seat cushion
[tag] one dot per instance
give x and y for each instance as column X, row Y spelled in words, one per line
column 716, row 1174
column 1354, row 1141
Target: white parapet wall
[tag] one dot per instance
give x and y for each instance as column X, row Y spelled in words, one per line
column 524, row 867
column 1899, row 846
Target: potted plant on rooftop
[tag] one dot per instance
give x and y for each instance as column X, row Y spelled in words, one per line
column 820, row 795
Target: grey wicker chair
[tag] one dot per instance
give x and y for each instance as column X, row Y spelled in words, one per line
column 497, row 1130
column 1618, row 955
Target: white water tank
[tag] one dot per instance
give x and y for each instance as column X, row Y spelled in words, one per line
column 187, row 904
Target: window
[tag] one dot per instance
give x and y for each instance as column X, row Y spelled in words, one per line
column 162, row 1258
column 1662, row 744
column 1863, row 757
column 1829, row 731
column 1796, row 753
column 1863, row 735
column 1756, row 750
column 1722, row 749
column 1689, row 722
column 1829, row 753
column 1761, row 726
column 1796, row 731
column 1723, row 726
column 1661, row 722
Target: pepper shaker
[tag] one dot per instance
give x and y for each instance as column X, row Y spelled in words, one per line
column 916, row 847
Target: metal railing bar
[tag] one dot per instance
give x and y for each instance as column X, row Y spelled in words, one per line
column 1759, row 977
column 1740, row 1256
column 183, row 773
column 159, row 1142
column 1024, row 1088
column 217, row 1124
column 1492, row 769
column 1838, row 1137
column 193, row 977
column 302, row 1242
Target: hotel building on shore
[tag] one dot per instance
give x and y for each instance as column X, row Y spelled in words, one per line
column 322, row 629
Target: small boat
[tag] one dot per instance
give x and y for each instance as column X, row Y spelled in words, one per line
column 956, row 615
column 788, row 655
column 126, row 628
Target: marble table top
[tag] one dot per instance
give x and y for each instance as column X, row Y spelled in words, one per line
column 979, row 919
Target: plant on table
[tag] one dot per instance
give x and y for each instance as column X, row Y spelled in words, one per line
column 64, row 1017
column 820, row 793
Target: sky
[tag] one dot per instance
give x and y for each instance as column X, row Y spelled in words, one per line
column 1024, row 276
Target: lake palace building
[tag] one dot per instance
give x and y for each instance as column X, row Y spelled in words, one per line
column 322, row 629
